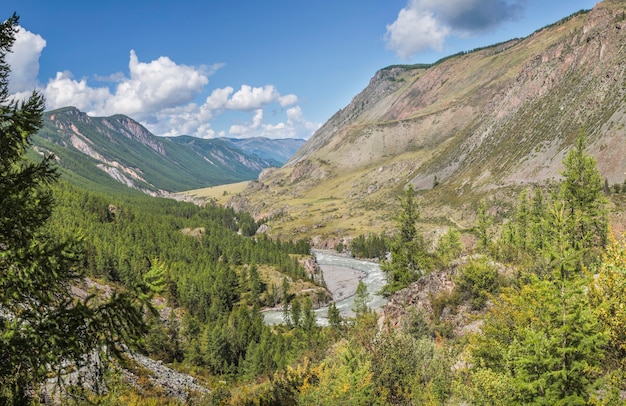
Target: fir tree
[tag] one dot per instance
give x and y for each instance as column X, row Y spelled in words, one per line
column 483, row 222
column 334, row 317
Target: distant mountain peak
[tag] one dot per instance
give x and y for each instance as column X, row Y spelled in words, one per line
column 127, row 152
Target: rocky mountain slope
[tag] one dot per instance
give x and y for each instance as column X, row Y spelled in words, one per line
column 476, row 125
column 117, row 149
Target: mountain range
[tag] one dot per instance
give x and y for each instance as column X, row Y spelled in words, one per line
column 109, row 151
column 475, row 126
column 478, row 125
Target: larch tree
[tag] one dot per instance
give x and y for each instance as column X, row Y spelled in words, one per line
column 543, row 340
column 581, row 191
column 43, row 327
column 407, row 251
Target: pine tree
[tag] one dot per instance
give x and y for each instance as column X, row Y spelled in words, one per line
column 42, row 326
column 543, row 340
column 483, row 222
column 449, row 246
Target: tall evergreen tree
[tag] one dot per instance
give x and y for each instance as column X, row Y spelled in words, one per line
column 483, row 222
column 42, row 326
column 361, row 297
column 581, row 191
column 407, row 251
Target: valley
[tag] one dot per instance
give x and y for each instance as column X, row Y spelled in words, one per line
column 454, row 235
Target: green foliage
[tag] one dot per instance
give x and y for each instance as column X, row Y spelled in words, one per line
column 581, row 192
column 544, row 339
column 482, row 228
column 43, row 327
column 334, row 317
column 372, row 246
column 163, row 340
column 408, row 256
column 407, row 370
column 361, row 298
column 155, row 278
column 608, row 296
column 477, row 281
column 449, row 246
column 543, row 342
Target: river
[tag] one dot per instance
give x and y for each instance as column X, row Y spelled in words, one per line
column 342, row 275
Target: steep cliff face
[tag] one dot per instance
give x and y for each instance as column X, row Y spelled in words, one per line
column 473, row 124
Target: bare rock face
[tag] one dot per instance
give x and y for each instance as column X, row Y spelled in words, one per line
column 418, row 296
column 308, row 170
column 421, row 297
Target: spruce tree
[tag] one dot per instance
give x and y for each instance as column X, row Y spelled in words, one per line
column 43, row 326
column 334, row 317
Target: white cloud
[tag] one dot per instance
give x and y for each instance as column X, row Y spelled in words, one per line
column 288, row 100
column 63, row 91
column 151, row 88
column 252, row 98
column 296, row 126
column 415, row 30
column 426, row 24
column 160, row 94
column 24, row 61
column 155, row 86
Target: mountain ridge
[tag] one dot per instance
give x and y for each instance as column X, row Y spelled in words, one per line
column 85, row 147
column 475, row 125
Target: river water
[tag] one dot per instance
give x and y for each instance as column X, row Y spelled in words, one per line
column 369, row 272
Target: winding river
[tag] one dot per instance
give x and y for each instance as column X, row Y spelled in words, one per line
column 342, row 274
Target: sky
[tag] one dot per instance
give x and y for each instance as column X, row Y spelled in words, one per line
column 218, row 68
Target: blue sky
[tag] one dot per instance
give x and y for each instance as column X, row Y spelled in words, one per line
column 244, row 68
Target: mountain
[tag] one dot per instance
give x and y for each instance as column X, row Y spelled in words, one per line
column 109, row 151
column 275, row 151
column 476, row 125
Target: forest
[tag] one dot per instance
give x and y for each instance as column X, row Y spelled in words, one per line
column 186, row 284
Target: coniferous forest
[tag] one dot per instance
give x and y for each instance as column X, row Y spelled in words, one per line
column 90, row 274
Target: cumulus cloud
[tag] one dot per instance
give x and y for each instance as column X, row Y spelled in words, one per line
column 296, row 126
column 24, row 61
column 425, row 24
column 64, row 91
column 288, row 100
column 252, row 98
column 160, row 94
column 154, row 86
column 415, row 30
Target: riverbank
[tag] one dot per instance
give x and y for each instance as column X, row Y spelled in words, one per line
column 342, row 274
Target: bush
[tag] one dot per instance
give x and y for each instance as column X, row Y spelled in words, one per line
column 476, row 281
